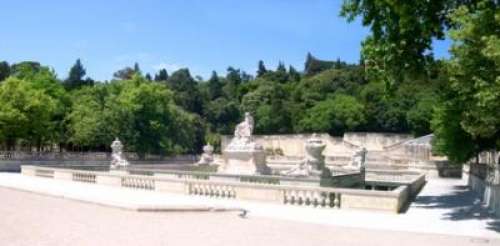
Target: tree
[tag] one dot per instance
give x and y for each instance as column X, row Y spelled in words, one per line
column 261, row 69
column 124, row 73
column 233, row 81
column 75, row 77
column 214, row 86
column 223, row 115
column 187, row 94
column 473, row 96
column 26, row 113
column 293, row 74
column 4, row 70
column 267, row 104
column 162, row 75
column 335, row 115
column 25, row 69
column 137, row 69
column 145, row 117
column 402, row 32
column 313, row 65
column 148, row 77
column 85, row 122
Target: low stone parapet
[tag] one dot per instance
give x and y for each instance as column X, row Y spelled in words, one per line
column 319, row 197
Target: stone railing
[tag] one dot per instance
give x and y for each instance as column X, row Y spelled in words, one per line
column 309, row 196
column 85, row 177
column 138, row 182
column 85, row 156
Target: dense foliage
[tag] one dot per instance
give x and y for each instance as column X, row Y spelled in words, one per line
column 465, row 115
column 177, row 114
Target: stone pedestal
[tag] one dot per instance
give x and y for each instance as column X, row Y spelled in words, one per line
column 245, row 162
column 243, row 156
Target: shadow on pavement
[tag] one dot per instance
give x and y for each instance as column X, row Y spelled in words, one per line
column 463, row 204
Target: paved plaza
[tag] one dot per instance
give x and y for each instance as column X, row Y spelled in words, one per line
column 445, row 212
column 32, row 219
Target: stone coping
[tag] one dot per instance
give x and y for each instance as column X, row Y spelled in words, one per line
column 396, row 193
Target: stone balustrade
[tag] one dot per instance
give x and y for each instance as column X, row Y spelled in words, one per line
column 138, row 182
column 85, row 177
column 319, row 197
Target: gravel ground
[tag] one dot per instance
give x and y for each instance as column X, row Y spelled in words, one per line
column 31, row 219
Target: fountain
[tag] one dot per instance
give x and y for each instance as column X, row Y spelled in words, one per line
column 243, row 155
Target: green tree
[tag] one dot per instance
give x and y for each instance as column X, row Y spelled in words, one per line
column 124, row 73
column 186, row 92
column 26, row 113
column 473, row 96
column 85, row 121
column 261, row 69
column 4, row 70
column 402, row 32
column 335, row 115
column 313, row 65
column 162, row 75
column 214, row 86
column 75, row 77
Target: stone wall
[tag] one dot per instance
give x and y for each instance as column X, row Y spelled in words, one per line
column 386, row 151
column 12, row 161
column 479, row 179
column 293, row 144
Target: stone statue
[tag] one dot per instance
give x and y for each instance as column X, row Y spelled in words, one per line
column 358, row 159
column 207, row 157
column 314, row 161
column 117, row 157
column 244, row 130
column 243, row 155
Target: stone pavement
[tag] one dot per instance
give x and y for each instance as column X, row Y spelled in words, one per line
column 32, row 219
column 444, row 207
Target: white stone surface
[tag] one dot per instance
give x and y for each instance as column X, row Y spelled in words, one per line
column 117, row 157
column 444, row 206
column 243, row 155
column 207, row 158
column 314, row 160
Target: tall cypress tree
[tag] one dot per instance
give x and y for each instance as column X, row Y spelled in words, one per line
column 75, row 76
column 261, row 69
column 4, row 70
column 162, row 75
column 214, row 86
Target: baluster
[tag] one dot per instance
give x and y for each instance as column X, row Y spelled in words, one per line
column 293, row 194
column 308, row 198
column 316, row 198
column 326, row 199
column 336, row 203
column 285, row 196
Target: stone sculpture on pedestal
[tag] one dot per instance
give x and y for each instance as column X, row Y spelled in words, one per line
column 117, row 157
column 207, row 157
column 243, row 155
column 314, row 160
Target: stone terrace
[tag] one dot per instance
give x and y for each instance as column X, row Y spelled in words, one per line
column 444, row 206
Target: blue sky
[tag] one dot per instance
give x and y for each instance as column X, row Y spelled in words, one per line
column 201, row 35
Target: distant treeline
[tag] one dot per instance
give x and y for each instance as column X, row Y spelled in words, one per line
column 176, row 113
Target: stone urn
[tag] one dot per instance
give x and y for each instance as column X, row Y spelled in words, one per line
column 314, row 153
